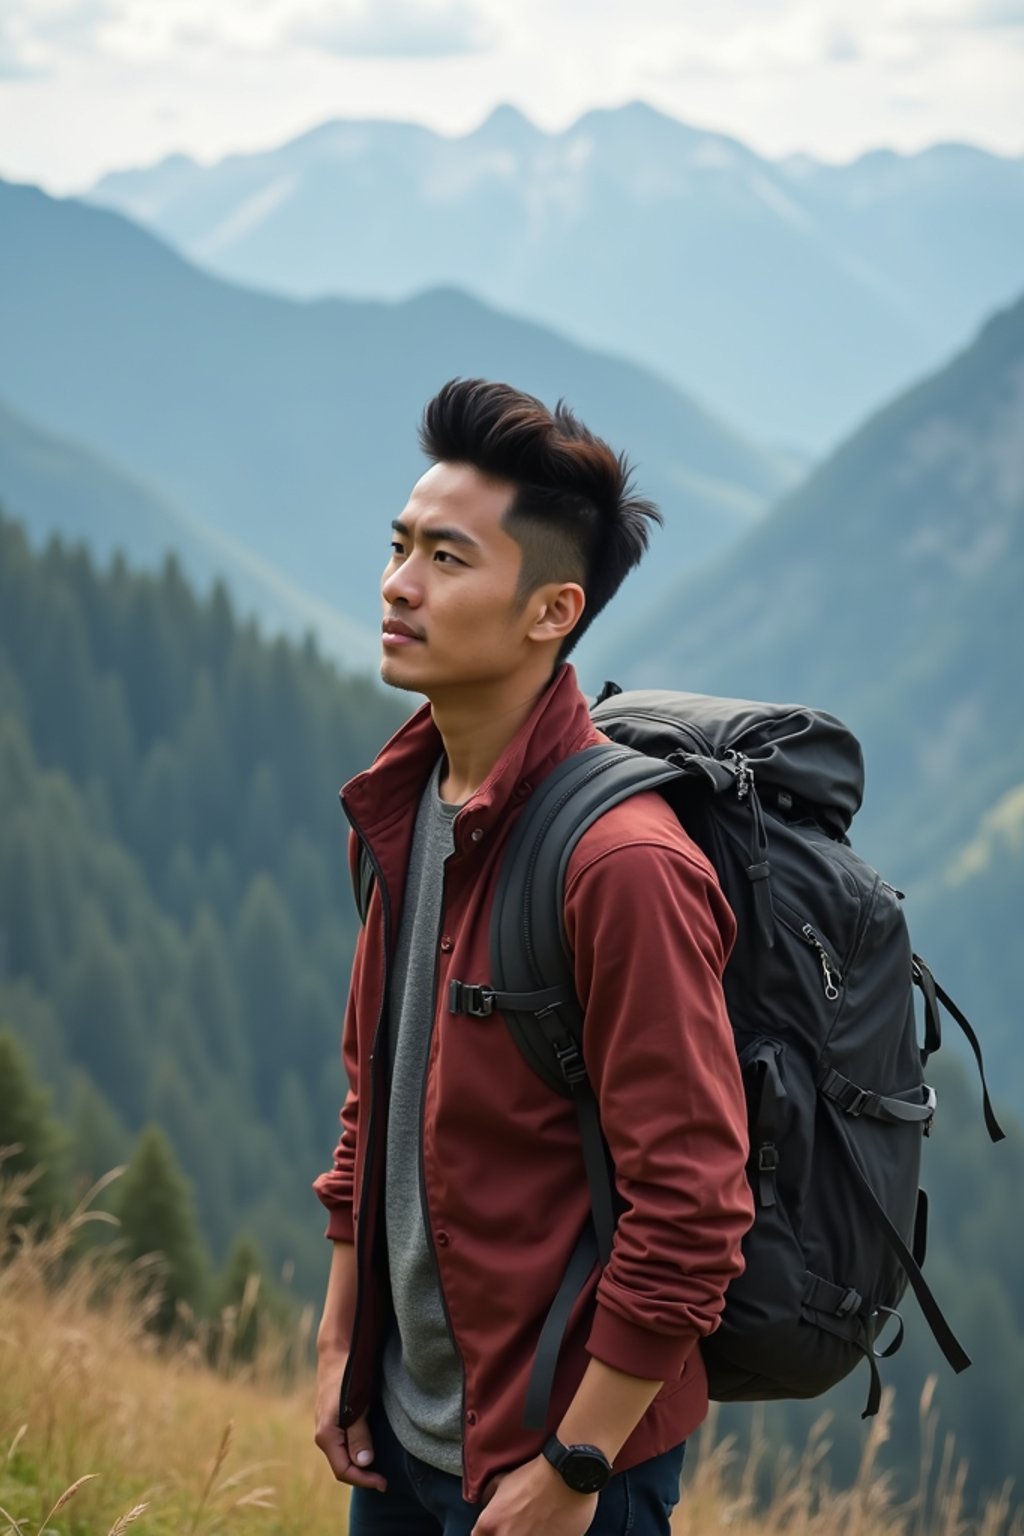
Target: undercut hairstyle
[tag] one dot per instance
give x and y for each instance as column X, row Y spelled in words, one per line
column 574, row 513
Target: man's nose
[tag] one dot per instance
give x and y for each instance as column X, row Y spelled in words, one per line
column 401, row 584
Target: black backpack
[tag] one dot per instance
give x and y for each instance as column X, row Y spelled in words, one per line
column 820, row 992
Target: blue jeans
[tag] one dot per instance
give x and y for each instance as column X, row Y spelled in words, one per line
column 421, row 1501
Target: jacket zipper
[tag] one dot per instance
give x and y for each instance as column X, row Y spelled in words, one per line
column 831, row 974
column 345, row 1404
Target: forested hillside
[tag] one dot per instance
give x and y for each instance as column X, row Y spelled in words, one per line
column 175, row 921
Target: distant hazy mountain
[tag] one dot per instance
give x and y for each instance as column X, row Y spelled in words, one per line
column 290, row 427
column 888, row 588
column 791, row 295
column 52, row 486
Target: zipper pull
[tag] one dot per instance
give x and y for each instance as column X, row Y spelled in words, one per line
column 829, row 969
column 742, row 770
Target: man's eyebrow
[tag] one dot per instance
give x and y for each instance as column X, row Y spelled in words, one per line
column 437, row 535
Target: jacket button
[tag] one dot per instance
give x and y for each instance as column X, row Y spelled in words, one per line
column 443, row 1240
column 446, row 945
column 476, row 834
column 471, row 1417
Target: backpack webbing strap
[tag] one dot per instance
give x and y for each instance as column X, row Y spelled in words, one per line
column 766, row 1101
column 933, row 995
column 478, row 1000
column 839, row 1309
column 854, row 1101
column 567, row 1053
column 542, row 1374
column 823, row 1295
column 943, row 1334
column 920, row 1246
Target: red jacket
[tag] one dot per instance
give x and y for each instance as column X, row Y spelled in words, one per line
column 503, row 1175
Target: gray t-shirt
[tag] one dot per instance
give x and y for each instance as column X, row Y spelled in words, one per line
column 422, row 1374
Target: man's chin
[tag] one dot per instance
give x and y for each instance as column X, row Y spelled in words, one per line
column 394, row 677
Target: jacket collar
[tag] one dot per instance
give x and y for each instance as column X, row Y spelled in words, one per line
column 383, row 795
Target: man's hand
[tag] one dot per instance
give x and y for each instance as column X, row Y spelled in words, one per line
column 534, row 1501
column 349, row 1451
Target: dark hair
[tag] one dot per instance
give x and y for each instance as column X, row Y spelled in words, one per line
column 574, row 514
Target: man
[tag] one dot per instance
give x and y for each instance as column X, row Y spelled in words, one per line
column 458, row 1190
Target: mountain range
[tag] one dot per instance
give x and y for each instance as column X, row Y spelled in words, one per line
column 790, row 295
column 289, row 427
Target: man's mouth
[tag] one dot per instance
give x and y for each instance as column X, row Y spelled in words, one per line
column 395, row 632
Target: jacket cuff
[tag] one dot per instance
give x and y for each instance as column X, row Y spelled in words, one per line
column 637, row 1351
column 340, row 1226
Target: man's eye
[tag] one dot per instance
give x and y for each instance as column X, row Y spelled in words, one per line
column 447, row 559
column 396, row 548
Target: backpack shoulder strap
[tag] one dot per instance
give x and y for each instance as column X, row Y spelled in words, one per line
column 529, row 952
column 530, row 961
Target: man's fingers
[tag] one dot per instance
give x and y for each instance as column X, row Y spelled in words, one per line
column 350, row 1454
column 360, row 1451
column 360, row 1442
column 357, row 1477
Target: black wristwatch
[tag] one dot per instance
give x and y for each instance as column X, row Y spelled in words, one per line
column 583, row 1468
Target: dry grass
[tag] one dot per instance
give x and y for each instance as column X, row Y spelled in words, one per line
column 103, row 1431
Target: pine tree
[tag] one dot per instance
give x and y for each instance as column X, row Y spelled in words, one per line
column 247, row 1306
column 213, row 997
column 102, row 1010
column 99, row 1141
column 268, row 964
column 154, row 1207
column 29, row 1138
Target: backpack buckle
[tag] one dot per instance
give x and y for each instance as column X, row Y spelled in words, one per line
column 851, row 1303
column 767, row 1157
column 571, row 1063
column 853, row 1103
column 472, row 998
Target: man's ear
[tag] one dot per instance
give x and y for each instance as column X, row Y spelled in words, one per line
column 556, row 610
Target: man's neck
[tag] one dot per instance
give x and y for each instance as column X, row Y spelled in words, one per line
column 476, row 730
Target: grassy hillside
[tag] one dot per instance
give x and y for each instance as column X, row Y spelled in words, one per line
column 101, row 1432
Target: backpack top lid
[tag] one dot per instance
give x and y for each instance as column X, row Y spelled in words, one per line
column 799, row 757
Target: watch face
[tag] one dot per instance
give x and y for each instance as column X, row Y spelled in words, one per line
column 585, row 1471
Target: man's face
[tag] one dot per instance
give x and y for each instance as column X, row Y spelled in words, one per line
column 452, row 616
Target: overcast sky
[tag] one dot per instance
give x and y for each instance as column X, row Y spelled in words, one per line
column 90, row 85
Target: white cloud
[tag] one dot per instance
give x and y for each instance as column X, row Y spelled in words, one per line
column 46, row 30
column 122, row 82
column 15, row 60
column 396, row 28
column 996, row 13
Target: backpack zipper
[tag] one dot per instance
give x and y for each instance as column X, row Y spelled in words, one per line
column 829, row 970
